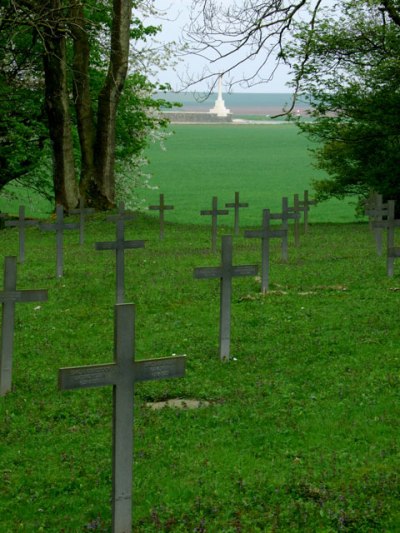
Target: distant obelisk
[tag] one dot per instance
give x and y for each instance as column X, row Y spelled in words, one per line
column 219, row 108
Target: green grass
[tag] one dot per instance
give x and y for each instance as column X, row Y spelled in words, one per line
column 262, row 162
column 302, row 430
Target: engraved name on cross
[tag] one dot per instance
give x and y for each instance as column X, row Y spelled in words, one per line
column 21, row 224
column 237, row 205
column 265, row 234
column 225, row 272
column 59, row 227
column 122, row 375
column 120, row 245
column 214, row 212
column 161, row 208
column 9, row 297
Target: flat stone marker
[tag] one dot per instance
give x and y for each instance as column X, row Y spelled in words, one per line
column 21, row 224
column 378, row 213
column 120, row 245
column 82, row 211
column 214, row 212
column 225, row 273
column 306, row 203
column 161, row 208
column 59, row 227
column 285, row 216
column 237, row 205
column 390, row 224
column 265, row 234
column 122, row 374
column 9, row 297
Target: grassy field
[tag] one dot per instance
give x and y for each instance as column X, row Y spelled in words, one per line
column 301, row 433
column 262, row 162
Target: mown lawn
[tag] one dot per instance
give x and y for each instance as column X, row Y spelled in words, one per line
column 301, row 433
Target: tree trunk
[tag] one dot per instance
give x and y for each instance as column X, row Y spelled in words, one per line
column 57, row 106
column 108, row 103
column 82, row 98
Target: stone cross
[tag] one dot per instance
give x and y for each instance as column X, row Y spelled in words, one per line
column 297, row 209
column 285, row 216
column 161, row 208
column 82, row 211
column 265, row 234
column 306, row 203
column 59, row 227
column 214, row 212
column 237, row 205
column 390, row 224
column 21, row 224
column 9, row 297
column 120, row 245
column 377, row 213
column 122, row 374
column 225, row 273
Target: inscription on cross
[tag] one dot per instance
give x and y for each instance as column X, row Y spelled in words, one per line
column 59, row 227
column 285, row 216
column 9, row 297
column 21, row 224
column 120, row 245
column 161, row 208
column 225, row 273
column 122, row 374
column 214, row 212
column 237, row 205
column 265, row 234
column 82, row 211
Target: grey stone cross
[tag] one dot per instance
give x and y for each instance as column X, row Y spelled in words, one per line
column 214, row 212
column 306, row 203
column 120, row 245
column 265, row 234
column 9, row 297
column 59, row 227
column 21, row 224
column 122, row 374
column 225, row 273
column 161, row 208
column 390, row 224
column 377, row 213
column 297, row 209
column 82, row 211
column 285, row 216
column 237, row 205
column 121, row 215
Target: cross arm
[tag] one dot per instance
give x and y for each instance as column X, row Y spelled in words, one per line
column 40, row 295
column 207, row 272
column 87, row 377
column 386, row 224
column 163, row 368
column 244, row 270
column 218, row 212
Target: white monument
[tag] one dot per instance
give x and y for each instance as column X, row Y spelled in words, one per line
column 219, row 108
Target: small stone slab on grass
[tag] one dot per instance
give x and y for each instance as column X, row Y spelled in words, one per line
column 178, row 403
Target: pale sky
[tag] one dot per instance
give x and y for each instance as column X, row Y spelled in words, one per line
column 178, row 14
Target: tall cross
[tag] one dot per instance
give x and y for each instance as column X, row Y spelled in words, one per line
column 82, row 211
column 306, row 203
column 225, row 273
column 378, row 213
column 21, row 224
column 9, row 297
column 285, row 216
column 237, row 205
column 297, row 209
column 59, row 227
column 122, row 374
column 161, row 208
column 265, row 234
column 214, row 212
column 120, row 245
